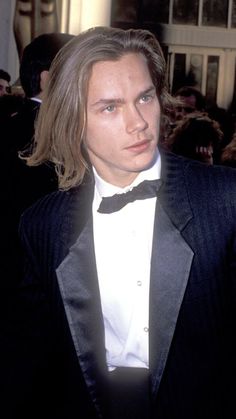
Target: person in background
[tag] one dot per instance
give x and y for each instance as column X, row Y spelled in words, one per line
column 35, row 63
column 191, row 100
column 197, row 137
column 188, row 100
column 23, row 185
column 128, row 303
column 5, row 79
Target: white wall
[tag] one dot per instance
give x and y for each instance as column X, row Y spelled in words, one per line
column 79, row 15
column 8, row 52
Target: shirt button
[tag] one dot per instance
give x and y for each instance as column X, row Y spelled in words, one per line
column 146, row 329
column 139, row 283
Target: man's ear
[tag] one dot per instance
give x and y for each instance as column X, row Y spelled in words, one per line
column 43, row 79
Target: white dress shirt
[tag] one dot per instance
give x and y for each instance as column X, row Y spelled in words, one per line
column 123, row 247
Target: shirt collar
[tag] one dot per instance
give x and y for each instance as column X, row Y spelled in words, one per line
column 104, row 188
column 36, row 99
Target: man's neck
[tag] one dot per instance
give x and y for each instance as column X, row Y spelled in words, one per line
column 106, row 188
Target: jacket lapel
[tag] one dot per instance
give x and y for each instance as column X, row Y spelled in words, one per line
column 77, row 278
column 170, row 266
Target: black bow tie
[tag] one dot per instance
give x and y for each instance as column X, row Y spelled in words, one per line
column 146, row 189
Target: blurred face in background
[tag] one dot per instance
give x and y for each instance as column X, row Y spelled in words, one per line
column 4, row 87
column 188, row 106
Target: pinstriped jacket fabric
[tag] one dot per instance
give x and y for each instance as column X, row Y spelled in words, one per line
column 192, row 302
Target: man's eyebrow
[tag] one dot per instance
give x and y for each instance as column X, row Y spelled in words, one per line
column 116, row 100
column 148, row 90
column 107, row 101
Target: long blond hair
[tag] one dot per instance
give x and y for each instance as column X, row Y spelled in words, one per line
column 61, row 125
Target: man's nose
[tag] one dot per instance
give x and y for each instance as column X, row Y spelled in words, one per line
column 135, row 120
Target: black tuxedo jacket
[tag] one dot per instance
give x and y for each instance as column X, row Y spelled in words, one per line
column 21, row 186
column 57, row 368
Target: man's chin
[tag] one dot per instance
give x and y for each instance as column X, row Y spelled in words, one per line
column 147, row 163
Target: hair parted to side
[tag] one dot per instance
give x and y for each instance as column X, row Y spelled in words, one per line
column 61, row 126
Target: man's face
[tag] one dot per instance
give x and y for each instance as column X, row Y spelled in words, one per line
column 4, row 85
column 123, row 118
column 189, row 106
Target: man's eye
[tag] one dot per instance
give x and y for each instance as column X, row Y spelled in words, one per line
column 109, row 108
column 146, row 98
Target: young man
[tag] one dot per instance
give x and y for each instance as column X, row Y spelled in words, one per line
column 129, row 311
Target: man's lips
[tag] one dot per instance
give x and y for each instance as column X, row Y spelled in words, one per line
column 139, row 146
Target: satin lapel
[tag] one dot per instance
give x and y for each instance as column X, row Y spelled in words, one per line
column 170, row 268
column 77, row 278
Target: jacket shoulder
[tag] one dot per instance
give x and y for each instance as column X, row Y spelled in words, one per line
column 199, row 174
column 47, row 213
column 213, row 180
column 200, row 187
